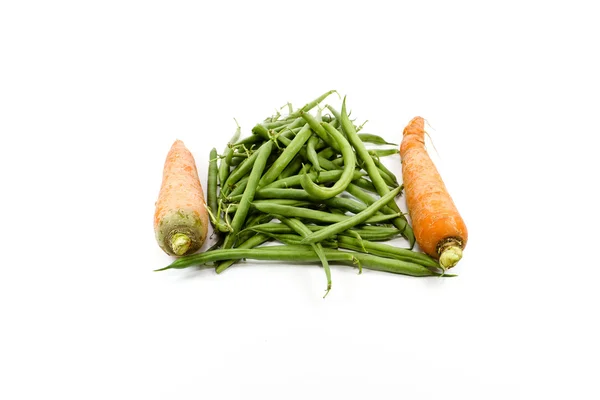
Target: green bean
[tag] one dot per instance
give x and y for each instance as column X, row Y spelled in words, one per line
column 383, row 152
column 379, row 234
column 286, row 156
column 385, row 250
column 367, row 232
column 303, row 231
column 316, row 126
column 252, row 242
column 335, row 113
column 292, row 126
column 372, row 170
column 254, row 219
column 309, row 106
column 211, row 191
column 366, row 198
column 364, row 184
column 247, row 142
column 245, row 167
column 323, row 177
column 260, row 130
column 314, row 215
column 347, row 174
column 248, row 196
column 276, row 124
column 374, row 139
column 352, row 221
column 321, row 145
column 222, row 225
column 388, row 176
column 292, row 168
column 322, row 157
column 239, row 188
column 241, row 155
column 235, row 161
column 384, row 171
column 226, row 161
column 301, row 195
column 233, row 207
column 302, row 254
column 311, row 153
column 276, row 227
column 295, row 239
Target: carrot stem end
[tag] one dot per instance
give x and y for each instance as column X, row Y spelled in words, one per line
column 180, row 243
column 450, row 256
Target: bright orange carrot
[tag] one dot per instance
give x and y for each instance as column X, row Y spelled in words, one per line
column 438, row 227
column 180, row 219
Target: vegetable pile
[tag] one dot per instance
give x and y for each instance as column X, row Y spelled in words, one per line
column 314, row 188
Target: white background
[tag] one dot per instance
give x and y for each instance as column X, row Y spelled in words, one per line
column 92, row 95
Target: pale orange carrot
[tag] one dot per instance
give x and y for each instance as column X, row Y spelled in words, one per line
column 439, row 229
column 180, row 219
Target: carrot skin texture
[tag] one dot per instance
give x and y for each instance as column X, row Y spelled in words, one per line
column 435, row 219
column 180, row 208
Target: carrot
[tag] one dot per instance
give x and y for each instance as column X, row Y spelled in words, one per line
column 181, row 218
column 438, row 227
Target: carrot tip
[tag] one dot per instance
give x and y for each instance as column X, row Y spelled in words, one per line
column 450, row 256
column 180, row 243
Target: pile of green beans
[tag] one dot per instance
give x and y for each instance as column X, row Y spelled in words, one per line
column 316, row 186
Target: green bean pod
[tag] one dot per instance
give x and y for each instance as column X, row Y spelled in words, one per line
column 348, row 223
column 309, row 106
column 302, row 254
column 374, row 139
column 323, row 177
column 286, row 156
column 211, row 191
column 367, row 232
column 252, row 242
column 347, row 174
column 311, row 153
column 227, row 156
column 303, row 231
column 372, row 169
column 292, row 168
column 313, row 215
column 248, row 196
column 385, row 250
